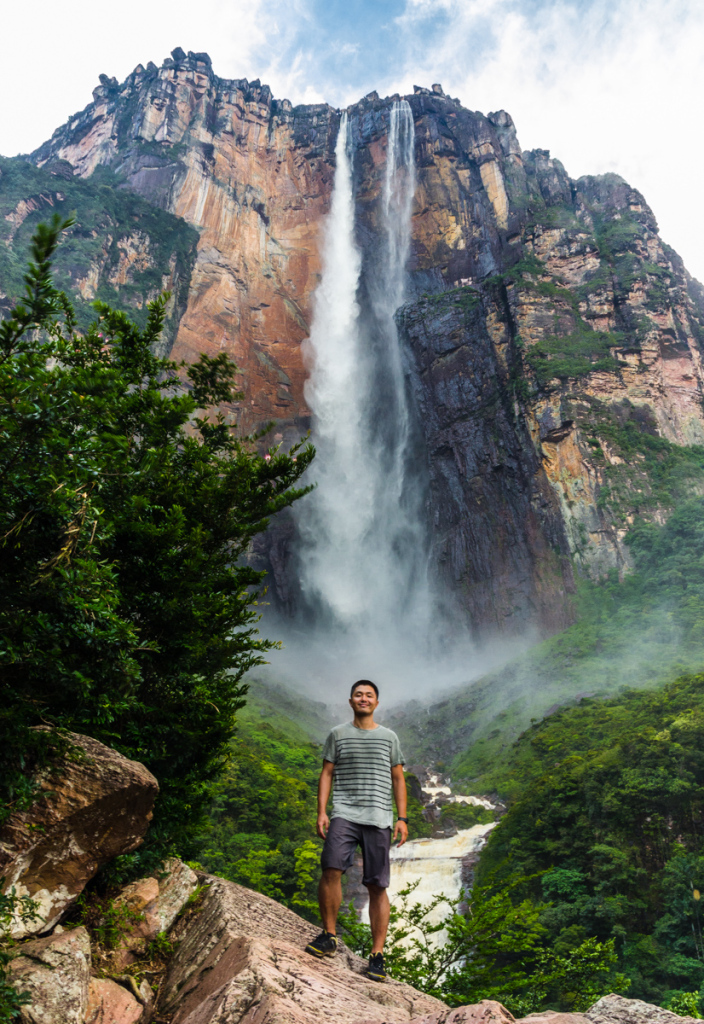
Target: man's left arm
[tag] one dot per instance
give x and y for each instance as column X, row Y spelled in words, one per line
column 398, row 782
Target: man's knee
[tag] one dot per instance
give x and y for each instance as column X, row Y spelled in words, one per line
column 375, row 891
column 332, row 874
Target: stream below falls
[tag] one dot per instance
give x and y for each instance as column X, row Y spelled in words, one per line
column 439, row 866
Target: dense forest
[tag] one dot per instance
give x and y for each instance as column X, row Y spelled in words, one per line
column 607, row 820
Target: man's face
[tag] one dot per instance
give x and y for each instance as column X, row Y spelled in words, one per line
column 364, row 701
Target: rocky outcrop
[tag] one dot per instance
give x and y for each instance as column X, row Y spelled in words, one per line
column 121, row 248
column 613, row 1009
column 152, row 905
column 95, row 805
column 254, row 176
column 488, row 1011
column 55, row 973
column 240, row 959
column 546, row 314
column 112, row 1003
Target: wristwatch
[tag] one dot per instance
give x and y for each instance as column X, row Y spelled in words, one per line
column 402, row 819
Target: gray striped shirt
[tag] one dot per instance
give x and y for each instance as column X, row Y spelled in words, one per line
column 363, row 760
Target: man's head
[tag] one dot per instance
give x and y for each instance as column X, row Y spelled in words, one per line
column 364, row 697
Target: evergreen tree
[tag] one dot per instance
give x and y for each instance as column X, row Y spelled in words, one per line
column 127, row 607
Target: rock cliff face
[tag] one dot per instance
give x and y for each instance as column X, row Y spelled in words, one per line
column 547, row 321
column 121, row 249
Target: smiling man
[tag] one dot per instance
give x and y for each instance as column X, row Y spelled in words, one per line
column 365, row 762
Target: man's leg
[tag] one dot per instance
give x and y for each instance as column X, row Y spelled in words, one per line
column 337, row 857
column 376, row 843
column 330, row 898
column 379, row 911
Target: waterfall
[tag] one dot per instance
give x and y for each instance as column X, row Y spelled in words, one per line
column 362, row 551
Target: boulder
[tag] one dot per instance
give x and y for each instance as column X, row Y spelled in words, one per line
column 93, row 808
column 175, row 888
column 155, row 905
column 241, row 959
column 613, row 1009
column 553, row 1017
column 55, row 971
column 486, row 1012
column 111, row 1003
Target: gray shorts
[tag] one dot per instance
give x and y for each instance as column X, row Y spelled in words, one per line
column 342, row 840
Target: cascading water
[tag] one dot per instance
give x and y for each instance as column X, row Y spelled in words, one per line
column 362, row 551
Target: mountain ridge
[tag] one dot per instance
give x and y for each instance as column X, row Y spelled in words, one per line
column 545, row 317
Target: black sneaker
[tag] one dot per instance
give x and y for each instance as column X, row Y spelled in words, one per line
column 324, row 945
column 377, row 968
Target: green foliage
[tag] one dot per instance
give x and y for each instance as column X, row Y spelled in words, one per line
column 459, row 816
column 357, row 934
column 160, row 947
column 116, row 237
column 263, row 817
column 127, row 611
column 418, row 826
column 616, row 236
column 654, row 473
column 495, row 948
column 685, row 1004
column 641, row 631
column 12, row 907
column 464, row 298
column 108, row 920
column 607, row 818
column 572, row 355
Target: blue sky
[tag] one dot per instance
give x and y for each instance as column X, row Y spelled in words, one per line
column 606, row 85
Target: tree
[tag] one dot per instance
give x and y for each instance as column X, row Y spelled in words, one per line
column 494, row 948
column 127, row 607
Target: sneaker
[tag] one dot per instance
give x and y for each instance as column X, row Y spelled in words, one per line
column 324, row 945
column 377, row 968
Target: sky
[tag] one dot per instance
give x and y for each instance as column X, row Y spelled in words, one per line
column 605, row 85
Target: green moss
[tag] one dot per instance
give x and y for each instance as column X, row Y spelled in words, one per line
column 573, row 355
column 655, row 474
column 464, row 299
column 618, row 236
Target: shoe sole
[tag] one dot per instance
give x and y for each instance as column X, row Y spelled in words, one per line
column 319, row 953
column 376, row 977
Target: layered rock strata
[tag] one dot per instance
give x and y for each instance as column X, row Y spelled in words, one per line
column 541, row 306
column 241, row 958
column 92, row 807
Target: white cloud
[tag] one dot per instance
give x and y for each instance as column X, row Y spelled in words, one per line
column 604, row 86
column 60, row 47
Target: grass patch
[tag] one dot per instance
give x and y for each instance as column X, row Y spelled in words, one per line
column 573, row 355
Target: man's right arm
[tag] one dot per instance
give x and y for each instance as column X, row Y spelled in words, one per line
column 324, row 787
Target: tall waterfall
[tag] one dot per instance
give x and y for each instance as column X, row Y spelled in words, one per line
column 362, row 540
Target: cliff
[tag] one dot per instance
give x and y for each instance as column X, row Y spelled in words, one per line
column 121, row 250
column 550, row 336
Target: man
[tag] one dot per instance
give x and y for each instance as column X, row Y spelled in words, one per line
column 366, row 762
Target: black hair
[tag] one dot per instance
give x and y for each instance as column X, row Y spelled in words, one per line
column 365, row 682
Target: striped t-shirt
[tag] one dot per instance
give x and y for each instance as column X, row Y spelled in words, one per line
column 363, row 760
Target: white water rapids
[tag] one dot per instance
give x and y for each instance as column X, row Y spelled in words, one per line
column 437, row 866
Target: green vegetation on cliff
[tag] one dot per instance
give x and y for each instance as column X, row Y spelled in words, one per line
column 120, row 249
column 125, row 610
